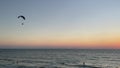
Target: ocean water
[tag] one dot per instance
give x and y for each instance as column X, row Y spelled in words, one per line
column 59, row 58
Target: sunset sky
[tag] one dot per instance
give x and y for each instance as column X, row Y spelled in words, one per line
column 60, row 24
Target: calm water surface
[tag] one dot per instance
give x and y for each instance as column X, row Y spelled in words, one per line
column 58, row 58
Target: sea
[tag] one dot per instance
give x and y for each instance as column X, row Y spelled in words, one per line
column 59, row 58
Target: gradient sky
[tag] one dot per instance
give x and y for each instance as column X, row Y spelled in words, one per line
column 60, row 24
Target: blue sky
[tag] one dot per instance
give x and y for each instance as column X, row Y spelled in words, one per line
column 58, row 20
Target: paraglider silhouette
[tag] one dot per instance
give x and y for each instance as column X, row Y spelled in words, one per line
column 23, row 17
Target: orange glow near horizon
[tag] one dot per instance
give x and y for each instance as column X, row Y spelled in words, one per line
column 70, row 42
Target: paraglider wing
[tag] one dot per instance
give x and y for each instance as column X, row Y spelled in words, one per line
column 21, row 17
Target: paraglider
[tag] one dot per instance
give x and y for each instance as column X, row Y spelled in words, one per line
column 23, row 17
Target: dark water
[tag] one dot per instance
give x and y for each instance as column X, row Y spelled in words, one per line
column 58, row 58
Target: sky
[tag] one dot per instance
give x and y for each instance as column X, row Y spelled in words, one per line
column 60, row 24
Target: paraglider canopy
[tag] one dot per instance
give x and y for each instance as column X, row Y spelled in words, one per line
column 21, row 16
